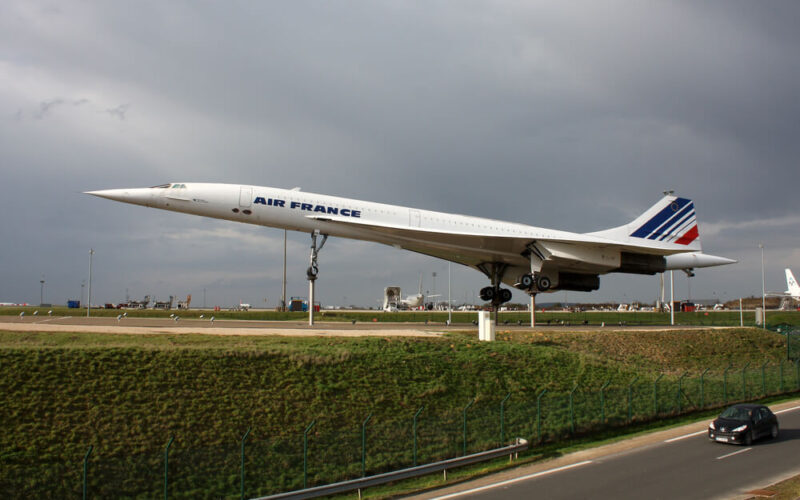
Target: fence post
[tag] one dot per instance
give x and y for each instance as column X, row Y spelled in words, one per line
column 464, row 419
column 630, row 398
column 725, row 383
column 680, row 391
column 744, row 381
column 166, row 467
column 305, row 452
column 242, row 469
column 655, row 394
column 572, row 409
column 797, row 372
column 539, row 415
column 788, row 354
column 703, row 389
column 415, row 433
column 603, row 402
column 502, row 419
column 85, row 466
column 763, row 379
column 364, row 445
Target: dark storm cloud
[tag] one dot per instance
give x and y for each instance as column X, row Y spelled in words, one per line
column 567, row 115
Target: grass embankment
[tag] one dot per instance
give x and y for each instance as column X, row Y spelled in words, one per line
column 126, row 395
column 701, row 318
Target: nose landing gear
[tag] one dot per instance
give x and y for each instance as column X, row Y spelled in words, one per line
column 312, row 271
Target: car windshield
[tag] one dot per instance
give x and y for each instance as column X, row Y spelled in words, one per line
column 735, row 413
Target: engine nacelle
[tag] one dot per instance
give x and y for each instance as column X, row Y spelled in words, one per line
column 637, row 263
column 577, row 282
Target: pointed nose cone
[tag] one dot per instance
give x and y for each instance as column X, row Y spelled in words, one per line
column 137, row 196
column 111, row 194
column 697, row 259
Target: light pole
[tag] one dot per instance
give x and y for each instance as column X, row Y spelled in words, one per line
column 83, row 285
column 41, row 291
column 89, row 293
column 449, row 301
column 283, row 287
column 763, row 292
column 671, row 298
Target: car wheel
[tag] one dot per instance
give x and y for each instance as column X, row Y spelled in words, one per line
column 773, row 432
column 748, row 439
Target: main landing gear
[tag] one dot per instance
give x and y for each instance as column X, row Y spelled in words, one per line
column 534, row 283
column 494, row 293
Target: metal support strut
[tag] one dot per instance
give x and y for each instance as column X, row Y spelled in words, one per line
column 312, row 271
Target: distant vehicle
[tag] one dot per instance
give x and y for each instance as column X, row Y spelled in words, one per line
column 743, row 424
column 297, row 304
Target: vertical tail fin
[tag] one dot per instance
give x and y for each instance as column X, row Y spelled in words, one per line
column 671, row 221
column 792, row 288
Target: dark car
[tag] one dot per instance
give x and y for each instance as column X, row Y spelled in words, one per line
column 743, row 424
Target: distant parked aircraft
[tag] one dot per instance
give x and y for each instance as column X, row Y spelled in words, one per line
column 792, row 288
column 530, row 258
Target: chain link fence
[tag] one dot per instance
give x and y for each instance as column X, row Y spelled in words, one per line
column 266, row 464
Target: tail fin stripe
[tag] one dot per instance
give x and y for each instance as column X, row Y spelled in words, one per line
column 660, row 218
column 676, row 221
column 676, row 226
column 676, row 233
column 689, row 237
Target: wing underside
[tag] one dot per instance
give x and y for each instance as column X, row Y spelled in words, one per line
column 569, row 251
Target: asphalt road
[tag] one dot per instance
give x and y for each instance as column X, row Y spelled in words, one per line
column 689, row 467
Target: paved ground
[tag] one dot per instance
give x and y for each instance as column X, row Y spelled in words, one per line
column 289, row 328
column 677, row 463
column 207, row 327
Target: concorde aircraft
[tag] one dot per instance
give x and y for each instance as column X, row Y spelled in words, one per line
column 530, row 258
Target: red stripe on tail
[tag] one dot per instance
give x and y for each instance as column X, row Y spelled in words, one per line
column 689, row 237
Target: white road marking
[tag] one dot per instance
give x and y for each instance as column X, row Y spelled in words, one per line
column 515, row 480
column 788, row 409
column 685, row 436
column 734, row 453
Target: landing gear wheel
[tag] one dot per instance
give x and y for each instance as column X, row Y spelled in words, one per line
column 487, row 294
column 543, row 283
column 505, row 295
column 526, row 281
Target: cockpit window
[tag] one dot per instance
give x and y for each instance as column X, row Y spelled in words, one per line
column 179, row 186
column 162, row 186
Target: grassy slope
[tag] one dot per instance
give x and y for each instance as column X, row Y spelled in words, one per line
column 127, row 394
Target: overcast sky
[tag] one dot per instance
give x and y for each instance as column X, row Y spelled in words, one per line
column 566, row 115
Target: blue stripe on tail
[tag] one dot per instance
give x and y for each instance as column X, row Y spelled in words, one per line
column 661, row 217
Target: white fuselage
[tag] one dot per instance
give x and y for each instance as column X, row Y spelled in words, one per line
column 468, row 240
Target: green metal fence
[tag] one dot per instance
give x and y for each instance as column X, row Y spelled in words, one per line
column 260, row 464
